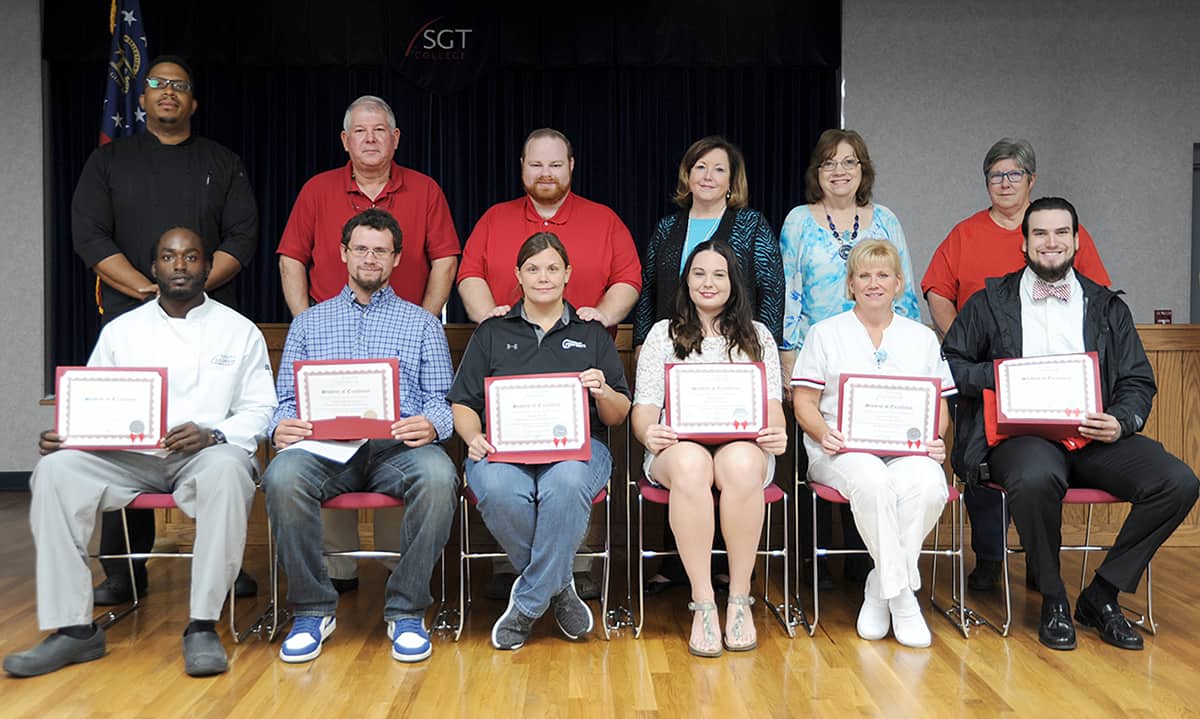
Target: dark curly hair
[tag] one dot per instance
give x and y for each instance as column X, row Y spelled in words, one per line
column 735, row 322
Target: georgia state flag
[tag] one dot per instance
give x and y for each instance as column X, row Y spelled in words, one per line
column 127, row 60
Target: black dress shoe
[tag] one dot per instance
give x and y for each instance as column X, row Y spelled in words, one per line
column 244, row 586
column 985, row 575
column 1114, row 628
column 115, row 590
column 1056, row 630
column 345, row 585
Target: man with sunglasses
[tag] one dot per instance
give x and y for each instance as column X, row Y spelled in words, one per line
column 130, row 192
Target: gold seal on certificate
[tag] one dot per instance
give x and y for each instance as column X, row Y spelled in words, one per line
column 111, row 407
column 537, row 418
column 712, row 402
column 888, row 415
column 348, row 399
column 1046, row 396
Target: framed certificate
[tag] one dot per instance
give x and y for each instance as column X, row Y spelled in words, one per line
column 537, row 418
column 713, row 402
column 111, row 407
column 1046, row 396
column 348, row 399
column 888, row 415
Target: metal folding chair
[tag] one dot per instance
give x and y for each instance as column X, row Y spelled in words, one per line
column 1076, row 496
column 274, row 616
column 957, row 612
column 157, row 500
column 648, row 492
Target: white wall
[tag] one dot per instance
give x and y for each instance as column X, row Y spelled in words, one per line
column 1108, row 92
column 22, row 346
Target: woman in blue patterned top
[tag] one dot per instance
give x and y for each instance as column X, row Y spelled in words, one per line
column 817, row 238
column 713, row 193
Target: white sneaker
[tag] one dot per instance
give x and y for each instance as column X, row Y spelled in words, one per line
column 874, row 619
column 907, row 622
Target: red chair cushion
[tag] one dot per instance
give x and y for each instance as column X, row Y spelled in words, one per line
column 1076, row 495
column 362, row 500
column 152, row 500
column 661, row 495
column 829, row 494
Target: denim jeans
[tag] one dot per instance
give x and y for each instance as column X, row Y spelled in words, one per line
column 539, row 513
column 297, row 482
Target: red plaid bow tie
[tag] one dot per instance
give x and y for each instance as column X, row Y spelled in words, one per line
column 1043, row 289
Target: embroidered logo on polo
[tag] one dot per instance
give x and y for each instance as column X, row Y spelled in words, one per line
column 510, row 345
column 569, row 344
column 224, row 360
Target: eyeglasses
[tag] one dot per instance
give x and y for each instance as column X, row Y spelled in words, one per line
column 159, row 83
column 1014, row 177
column 381, row 253
column 849, row 165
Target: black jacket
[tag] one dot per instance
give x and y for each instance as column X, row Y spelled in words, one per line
column 989, row 328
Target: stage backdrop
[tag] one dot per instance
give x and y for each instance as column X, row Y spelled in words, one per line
column 631, row 87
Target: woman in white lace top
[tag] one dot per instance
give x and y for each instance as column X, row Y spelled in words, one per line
column 712, row 323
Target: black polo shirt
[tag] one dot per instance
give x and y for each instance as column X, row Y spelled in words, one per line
column 512, row 345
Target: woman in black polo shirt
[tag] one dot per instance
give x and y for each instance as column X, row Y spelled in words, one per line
column 539, row 512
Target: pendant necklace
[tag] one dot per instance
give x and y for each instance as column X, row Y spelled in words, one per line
column 847, row 244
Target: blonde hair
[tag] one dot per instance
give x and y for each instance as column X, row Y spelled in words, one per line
column 872, row 252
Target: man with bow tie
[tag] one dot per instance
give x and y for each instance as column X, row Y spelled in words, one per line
column 1045, row 309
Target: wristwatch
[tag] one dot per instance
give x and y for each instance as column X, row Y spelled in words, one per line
column 217, row 436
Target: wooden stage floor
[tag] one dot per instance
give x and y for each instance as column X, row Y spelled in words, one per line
column 832, row 674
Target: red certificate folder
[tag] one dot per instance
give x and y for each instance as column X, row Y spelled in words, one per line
column 350, row 427
column 738, row 427
column 572, row 434
column 904, row 443
column 136, row 432
column 1057, row 423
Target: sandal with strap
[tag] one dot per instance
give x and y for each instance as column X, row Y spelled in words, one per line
column 738, row 619
column 709, row 620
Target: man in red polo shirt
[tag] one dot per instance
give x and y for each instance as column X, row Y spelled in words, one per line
column 311, row 267
column 310, row 264
column 606, row 275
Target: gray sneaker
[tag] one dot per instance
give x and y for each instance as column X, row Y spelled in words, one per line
column 511, row 630
column 572, row 614
column 203, row 654
column 54, row 653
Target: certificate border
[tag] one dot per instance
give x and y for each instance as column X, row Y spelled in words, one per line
column 883, row 380
column 1052, row 427
column 63, row 401
column 715, row 436
column 540, row 456
column 344, row 428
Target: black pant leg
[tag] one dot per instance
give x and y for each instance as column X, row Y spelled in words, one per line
column 1034, row 472
column 112, row 541
column 1162, row 490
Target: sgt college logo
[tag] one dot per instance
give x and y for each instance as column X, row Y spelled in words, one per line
column 434, row 42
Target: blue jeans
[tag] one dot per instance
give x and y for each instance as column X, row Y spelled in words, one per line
column 539, row 513
column 297, row 482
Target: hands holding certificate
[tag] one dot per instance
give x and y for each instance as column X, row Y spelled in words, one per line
column 413, row 431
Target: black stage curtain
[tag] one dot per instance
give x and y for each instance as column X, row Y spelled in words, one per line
column 631, row 90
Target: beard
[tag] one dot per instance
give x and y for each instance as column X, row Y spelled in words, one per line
column 370, row 285
column 183, row 293
column 548, row 195
column 1050, row 274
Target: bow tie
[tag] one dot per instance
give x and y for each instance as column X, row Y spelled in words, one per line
column 1043, row 289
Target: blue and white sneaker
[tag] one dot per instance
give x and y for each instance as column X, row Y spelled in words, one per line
column 303, row 643
column 410, row 641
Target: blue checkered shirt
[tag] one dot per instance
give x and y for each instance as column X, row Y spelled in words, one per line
column 341, row 328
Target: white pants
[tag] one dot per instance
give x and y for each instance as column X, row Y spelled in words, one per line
column 214, row 485
column 896, row 502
